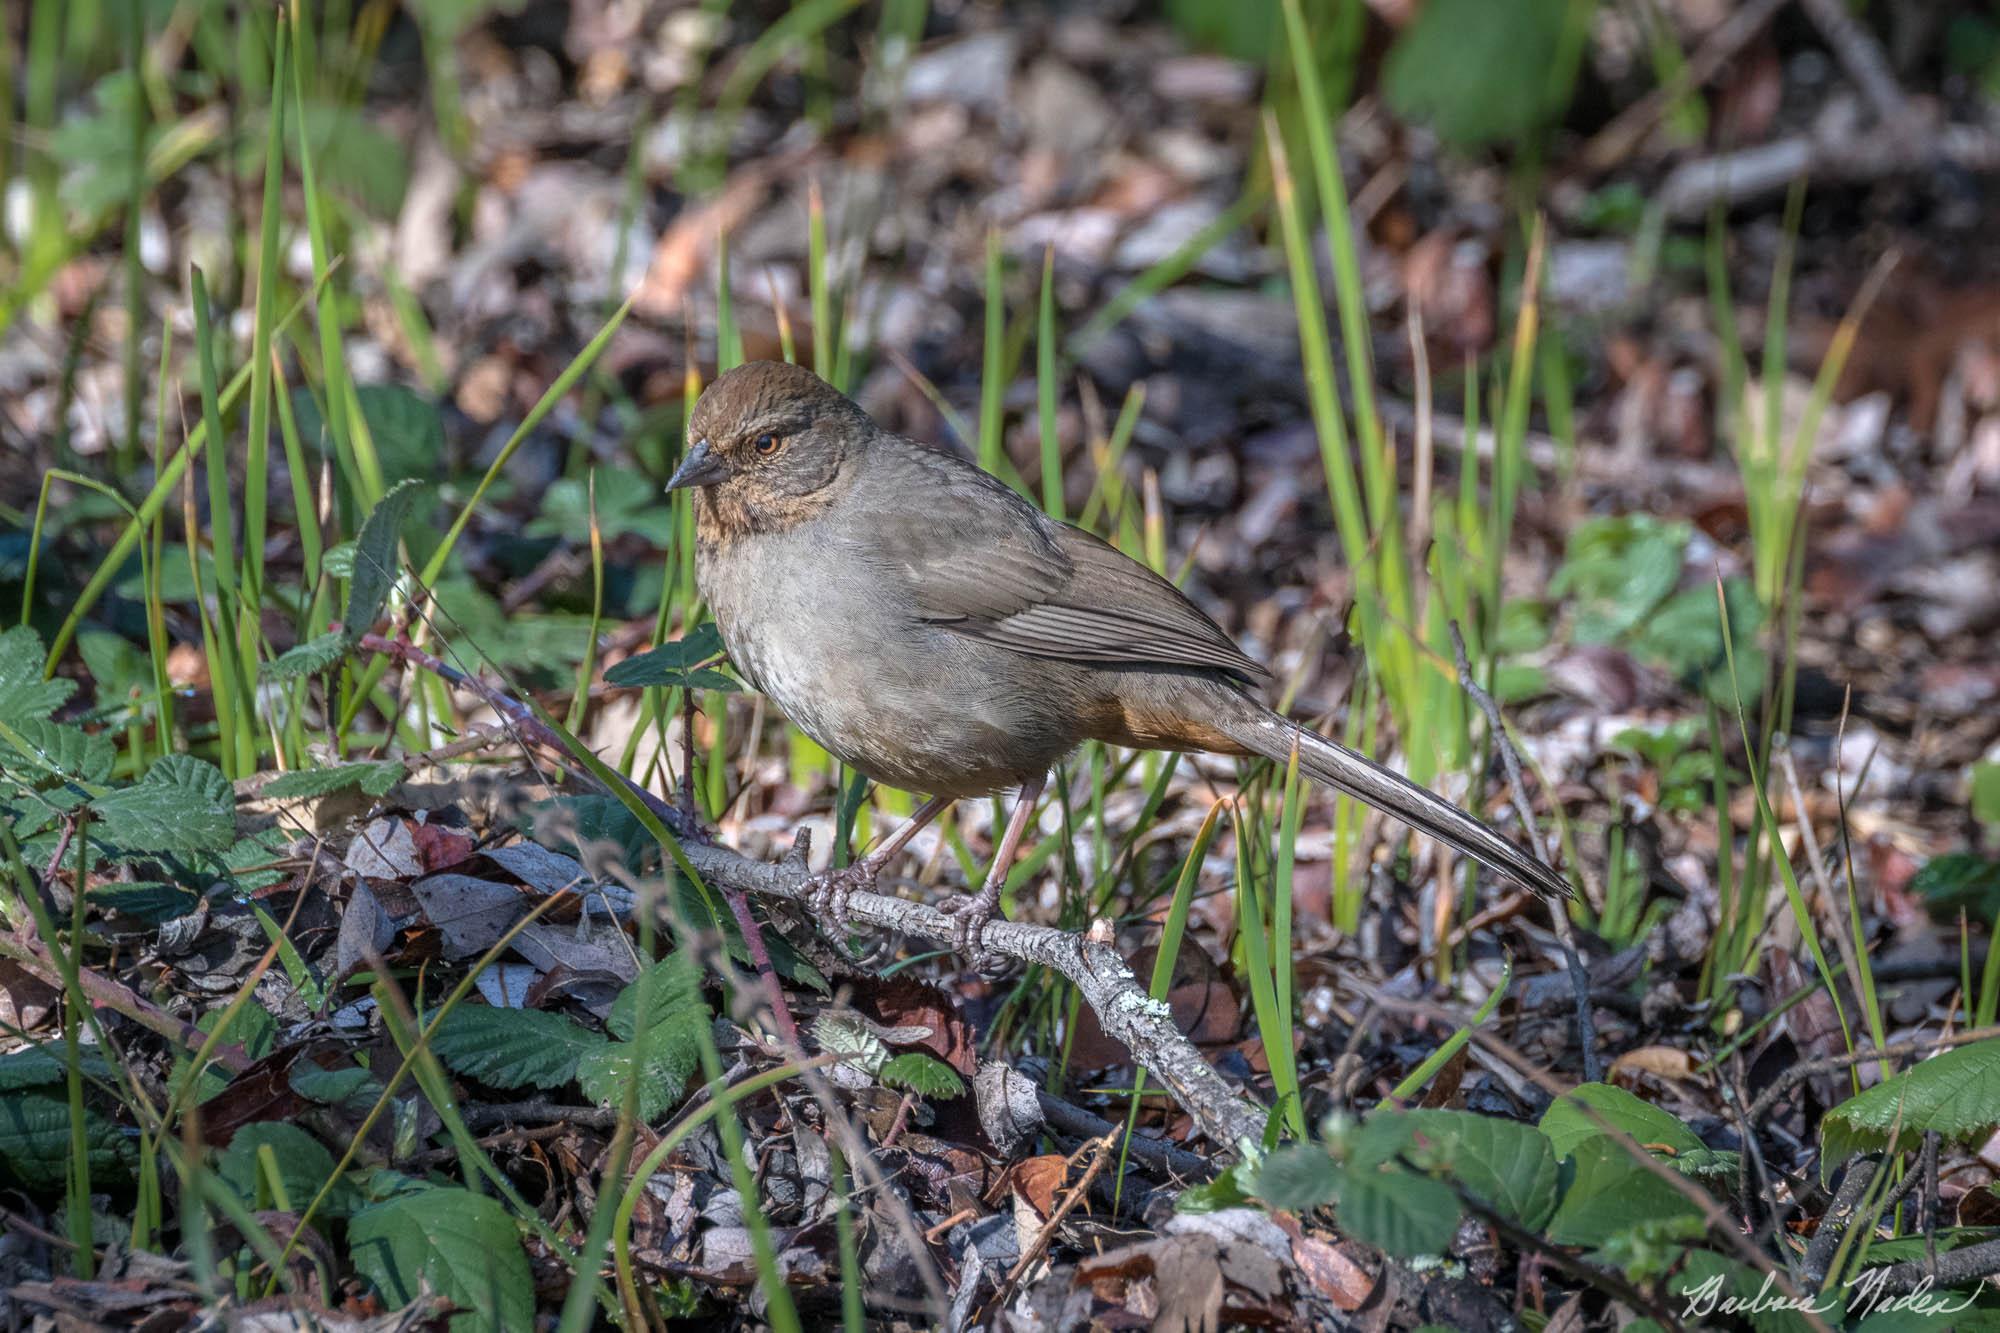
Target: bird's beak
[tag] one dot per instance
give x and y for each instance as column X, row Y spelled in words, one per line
column 699, row 467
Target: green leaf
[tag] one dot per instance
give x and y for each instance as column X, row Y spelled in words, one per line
column 1708, row 1164
column 1653, row 1247
column 253, row 1028
column 486, row 632
column 676, row 663
column 1397, row 1210
column 148, row 900
column 350, row 1087
column 573, row 823
column 1685, row 636
column 375, row 565
column 373, row 778
column 923, row 1075
column 183, row 804
column 35, row 1144
column 1480, row 72
column 36, row 1066
column 405, row 427
column 1298, row 1176
column 24, row 695
column 1619, row 569
column 461, row 1245
column 116, row 664
column 308, row 658
column 41, row 751
column 1959, row 881
column 627, row 503
column 304, row 1165
column 1610, row 1192
column 513, row 1048
column 677, row 1015
column 1506, row 1165
column 673, row 999
column 1955, row 1094
column 1568, row 1125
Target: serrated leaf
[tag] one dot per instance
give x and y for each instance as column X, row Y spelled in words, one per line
column 674, row 1019
column 844, row 1037
column 923, row 1075
column 406, row 429
column 148, row 900
column 513, row 1048
column 24, row 695
column 40, row 751
column 1955, row 1094
column 670, row 1062
column 462, row 1245
column 250, row 864
column 672, row 993
column 304, row 1165
column 626, row 503
column 1610, row 1192
column 1298, row 1176
column 375, row 562
column 306, row 659
column 35, row 1142
column 1506, row 1165
column 1707, row 1163
column 1567, row 1124
column 351, row 1086
column 1398, row 1211
column 183, row 804
column 676, row 663
column 36, row 1066
column 373, row 778
column 1653, row 1247
column 579, row 824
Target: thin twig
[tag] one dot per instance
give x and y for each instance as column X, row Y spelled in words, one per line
column 1579, row 979
column 1799, row 1071
column 1835, row 1221
column 1862, row 57
column 105, row 993
column 1043, row 1238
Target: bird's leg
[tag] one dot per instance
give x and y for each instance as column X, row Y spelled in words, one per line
column 830, row 891
column 975, row 910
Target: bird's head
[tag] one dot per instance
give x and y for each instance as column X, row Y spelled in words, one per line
column 766, row 444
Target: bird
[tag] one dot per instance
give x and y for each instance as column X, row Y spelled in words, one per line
column 935, row 631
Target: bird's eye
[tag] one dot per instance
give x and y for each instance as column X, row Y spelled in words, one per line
column 767, row 444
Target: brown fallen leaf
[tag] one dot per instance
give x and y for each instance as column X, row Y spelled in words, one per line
column 1665, row 1062
column 686, row 246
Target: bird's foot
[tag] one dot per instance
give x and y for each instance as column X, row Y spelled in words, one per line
column 829, row 893
column 970, row 915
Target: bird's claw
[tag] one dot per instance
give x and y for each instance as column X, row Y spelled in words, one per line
column 831, row 892
column 971, row 914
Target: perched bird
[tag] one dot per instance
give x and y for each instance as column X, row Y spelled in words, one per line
column 938, row 633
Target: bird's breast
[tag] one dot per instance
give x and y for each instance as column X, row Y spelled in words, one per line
column 823, row 633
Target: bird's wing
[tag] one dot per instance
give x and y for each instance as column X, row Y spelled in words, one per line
column 985, row 563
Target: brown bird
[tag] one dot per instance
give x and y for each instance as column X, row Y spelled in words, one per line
column 938, row 633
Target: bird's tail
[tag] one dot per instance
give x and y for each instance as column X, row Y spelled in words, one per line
column 1264, row 732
